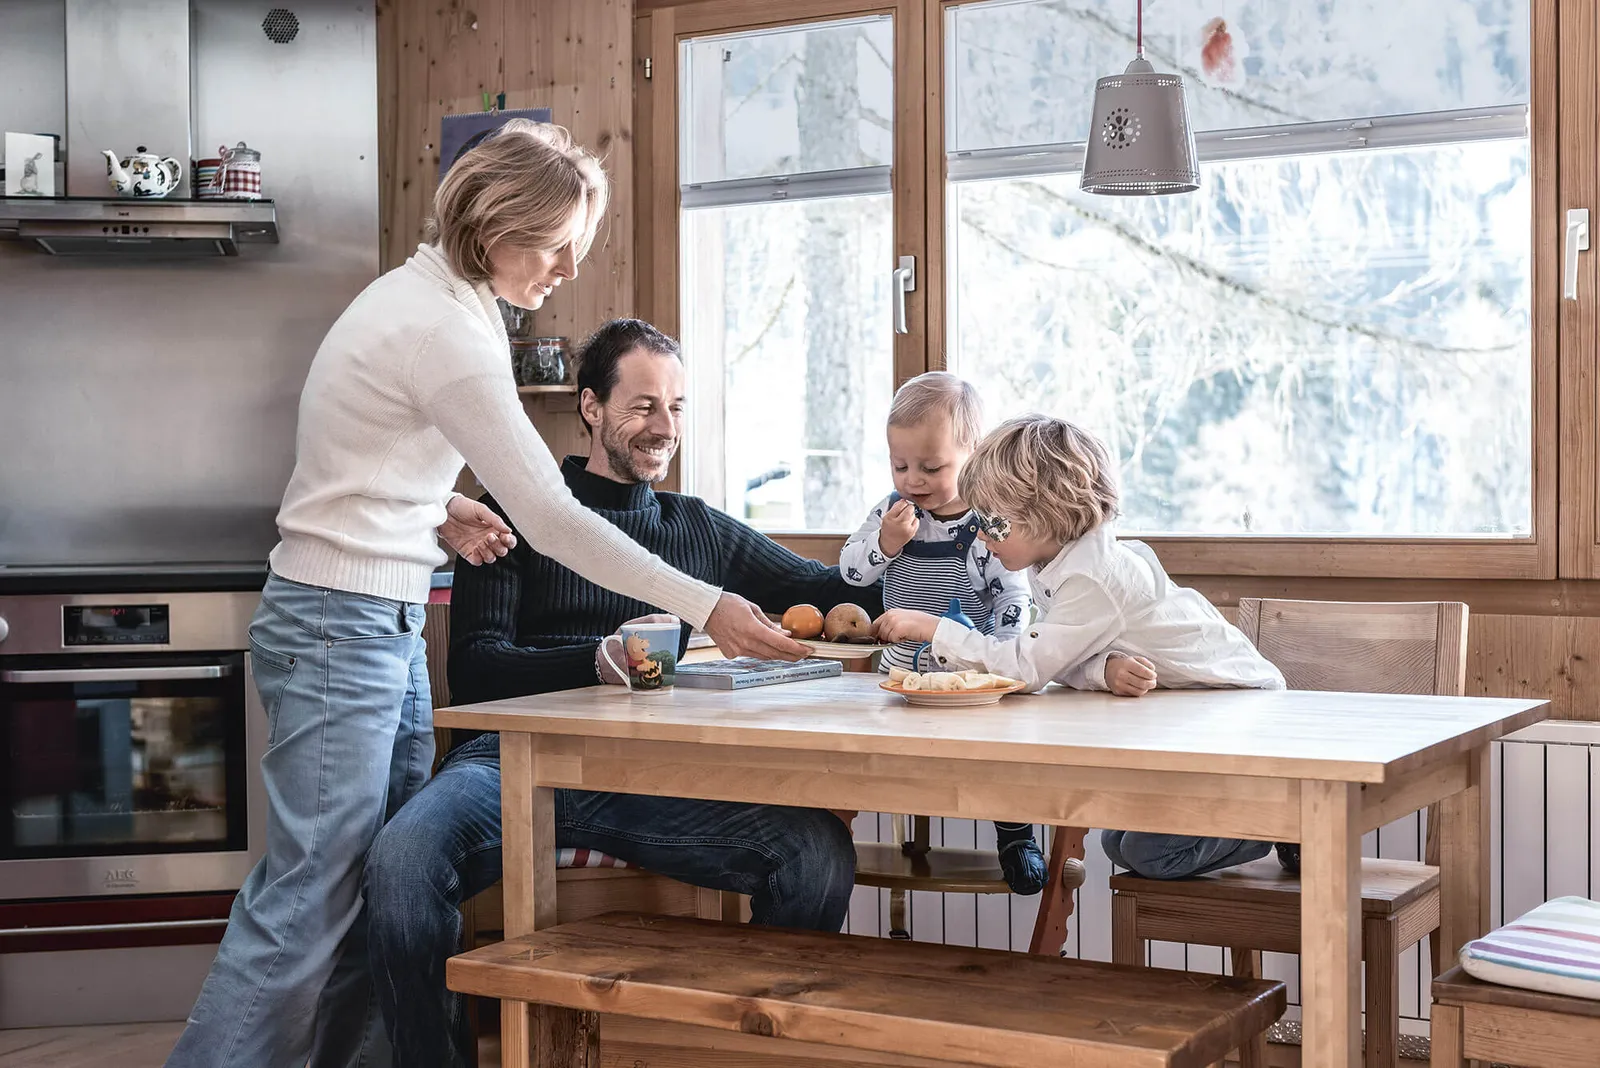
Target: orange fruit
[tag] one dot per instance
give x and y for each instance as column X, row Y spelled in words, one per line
column 803, row 621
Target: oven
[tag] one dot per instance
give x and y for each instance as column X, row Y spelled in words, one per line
column 130, row 741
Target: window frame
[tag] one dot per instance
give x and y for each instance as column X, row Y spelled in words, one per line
column 660, row 28
column 920, row 184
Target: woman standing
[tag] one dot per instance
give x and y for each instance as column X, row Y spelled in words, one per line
column 411, row 379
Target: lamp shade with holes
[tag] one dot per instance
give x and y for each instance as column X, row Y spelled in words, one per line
column 1140, row 141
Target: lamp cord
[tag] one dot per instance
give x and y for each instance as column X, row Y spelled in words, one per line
column 1139, row 34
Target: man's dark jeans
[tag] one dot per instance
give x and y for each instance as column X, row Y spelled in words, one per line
column 443, row 847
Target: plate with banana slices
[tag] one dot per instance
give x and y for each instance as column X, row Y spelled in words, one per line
column 950, row 689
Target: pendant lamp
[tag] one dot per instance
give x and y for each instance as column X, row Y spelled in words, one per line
column 1140, row 141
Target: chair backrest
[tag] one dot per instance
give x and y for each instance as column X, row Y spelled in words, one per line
column 1374, row 647
column 1404, row 647
column 436, row 632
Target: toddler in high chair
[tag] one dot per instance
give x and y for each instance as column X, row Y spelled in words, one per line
column 922, row 541
column 1109, row 616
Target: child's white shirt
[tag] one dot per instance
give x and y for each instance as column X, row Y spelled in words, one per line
column 1099, row 596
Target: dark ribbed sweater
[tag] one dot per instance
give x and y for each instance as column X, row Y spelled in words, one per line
column 525, row 624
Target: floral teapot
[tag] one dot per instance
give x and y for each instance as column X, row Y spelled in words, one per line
column 143, row 174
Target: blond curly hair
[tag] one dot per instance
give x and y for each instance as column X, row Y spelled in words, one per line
column 519, row 188
column 1043, row 473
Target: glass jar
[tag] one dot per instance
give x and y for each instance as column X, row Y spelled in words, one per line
column 522, row 361
column 548, row 366
column 519, row 321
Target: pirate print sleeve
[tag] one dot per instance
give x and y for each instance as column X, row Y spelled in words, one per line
column 861, row 561
column 1006, row 592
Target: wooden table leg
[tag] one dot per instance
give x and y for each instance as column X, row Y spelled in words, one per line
column 528, row 850
column 1330, row 924
column 1464, row 861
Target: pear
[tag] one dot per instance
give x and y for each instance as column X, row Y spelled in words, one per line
column 847, row 623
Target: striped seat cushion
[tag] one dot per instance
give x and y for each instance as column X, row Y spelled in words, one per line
column 1554, row 948
column 588, row 858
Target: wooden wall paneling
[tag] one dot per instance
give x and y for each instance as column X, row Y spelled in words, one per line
column 1540, row 656
column 578, row 59
column 405, row 189
column 464, row 55
column 557, row 420
column 387, row 14
column 1578, row 335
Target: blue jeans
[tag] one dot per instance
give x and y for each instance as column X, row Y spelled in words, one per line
column 797, row 864
column 344, row 682
column 1177, row 856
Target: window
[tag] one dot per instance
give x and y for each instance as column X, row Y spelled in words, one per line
column 1338, row 357
column 1333, row 337
column 786, row 229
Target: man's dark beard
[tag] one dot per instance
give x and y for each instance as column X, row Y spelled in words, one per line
column 619, row 453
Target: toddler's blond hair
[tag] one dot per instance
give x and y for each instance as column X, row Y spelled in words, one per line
column 1044, row 473
column 944, row 394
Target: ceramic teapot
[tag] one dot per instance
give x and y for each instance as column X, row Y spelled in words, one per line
column 143, row 174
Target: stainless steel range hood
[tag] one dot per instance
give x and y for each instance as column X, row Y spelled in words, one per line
column 154, row 228
column 110, row 108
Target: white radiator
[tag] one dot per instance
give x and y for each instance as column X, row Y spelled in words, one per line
column 1544, row 844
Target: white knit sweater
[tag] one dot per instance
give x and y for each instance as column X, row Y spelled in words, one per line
column 414, row 376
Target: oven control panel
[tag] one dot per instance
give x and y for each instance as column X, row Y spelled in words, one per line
column 124, row 623
column 115, row 624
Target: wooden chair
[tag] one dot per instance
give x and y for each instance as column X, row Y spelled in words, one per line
column 908, row 864
column 1318, row 645
column 787, row 997
column 1479, row 1021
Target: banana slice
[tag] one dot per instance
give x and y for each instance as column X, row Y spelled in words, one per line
column 943, row 681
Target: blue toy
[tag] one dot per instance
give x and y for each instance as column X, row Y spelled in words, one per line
column 954, row 613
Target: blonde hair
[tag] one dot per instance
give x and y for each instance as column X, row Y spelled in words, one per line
column 940, row 393
column 518, row 188
column 1046, row 474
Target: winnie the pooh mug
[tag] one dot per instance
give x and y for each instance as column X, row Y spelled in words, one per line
column 650, row 655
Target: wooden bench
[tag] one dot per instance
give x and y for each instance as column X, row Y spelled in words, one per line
column 1507, row 1025
column 908, row 999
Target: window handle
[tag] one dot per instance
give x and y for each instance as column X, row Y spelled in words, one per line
column 1577, row 241
column 905, row 281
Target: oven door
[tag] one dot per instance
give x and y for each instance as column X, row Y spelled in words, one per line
column 128, row 774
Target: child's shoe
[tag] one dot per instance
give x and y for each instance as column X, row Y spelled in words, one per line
column 1020, row 859
column 1289, row 856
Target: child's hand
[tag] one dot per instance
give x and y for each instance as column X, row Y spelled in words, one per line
column 904, row 625
column 898, row 527
column 1130, row 676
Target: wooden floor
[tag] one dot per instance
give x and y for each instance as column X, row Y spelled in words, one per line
column 121, row 1046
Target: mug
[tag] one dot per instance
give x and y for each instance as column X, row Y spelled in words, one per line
column 204, row 174
column 650, row 653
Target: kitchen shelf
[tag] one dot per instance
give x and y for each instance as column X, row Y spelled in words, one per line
column 526, row 390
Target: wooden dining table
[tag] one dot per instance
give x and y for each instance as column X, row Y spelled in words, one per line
column 1313, row 767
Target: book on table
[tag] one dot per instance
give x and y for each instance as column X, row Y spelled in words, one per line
column 747, row 671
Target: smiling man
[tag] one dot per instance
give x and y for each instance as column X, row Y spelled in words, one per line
column 527, row 625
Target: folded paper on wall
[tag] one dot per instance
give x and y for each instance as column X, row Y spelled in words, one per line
column 459, row 133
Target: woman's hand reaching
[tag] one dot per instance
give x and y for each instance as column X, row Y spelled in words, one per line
column 474, row 531
column 740, row 629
